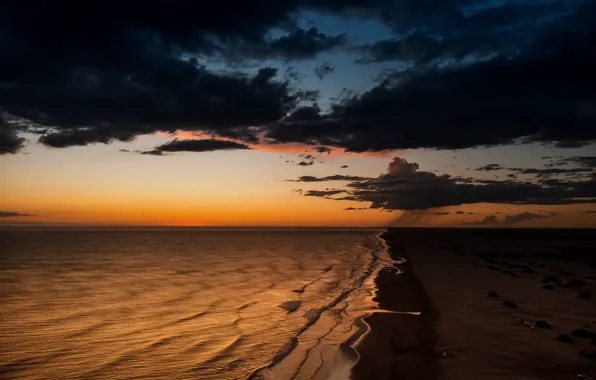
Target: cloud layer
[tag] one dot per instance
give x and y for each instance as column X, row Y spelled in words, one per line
column 467, row 72
column 405, row 187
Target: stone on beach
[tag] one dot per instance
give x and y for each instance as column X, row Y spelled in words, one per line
column 587, row 295
column 583, row 334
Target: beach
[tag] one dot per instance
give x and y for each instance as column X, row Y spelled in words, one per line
column 492, row 304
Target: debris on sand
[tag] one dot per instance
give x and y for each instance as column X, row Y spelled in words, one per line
column 543, row 325
column 564, row 338
column 587, row 295
column 528, row 324
column 575, row 283
column 526, row 269
column 588, row 354
column 550, row 278
column 583, row 334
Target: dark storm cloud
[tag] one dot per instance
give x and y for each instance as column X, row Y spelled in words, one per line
column 107, row 71
column 297, row 45
column 11, row 214
column 440, row 32
column 102, row 71
column 404, row 187
column 199, row 145
column 176, row 95
column 546, row 97
column 323, row 69
column 84, row 136
column 10, row 142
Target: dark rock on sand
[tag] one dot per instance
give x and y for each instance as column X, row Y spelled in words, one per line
column 526, row 269
column 585, row 295
column 550, row 278
column 492, row 294
column 588, row 354
column 543, row 325
column 575, row 283
column 583, row 334
column 548, row 286
column 509, row 273
column 565, row 338
column 290, row 306
column 510, row 304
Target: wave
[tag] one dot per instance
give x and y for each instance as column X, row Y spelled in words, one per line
column 313, row 316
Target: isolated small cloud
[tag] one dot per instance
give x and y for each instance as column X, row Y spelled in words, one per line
column 12, row 214
column 324, row 69
column 200, row 145
column 323, row 149
column 337, row 177
column 486, row 221
column 153, row 152
column 523, row 217
column 490, row 167
column 305, row 163
column 509, row 220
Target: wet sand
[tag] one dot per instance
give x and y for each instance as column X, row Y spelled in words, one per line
column 516, row 304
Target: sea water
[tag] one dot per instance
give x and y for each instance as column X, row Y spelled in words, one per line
column 122, row 303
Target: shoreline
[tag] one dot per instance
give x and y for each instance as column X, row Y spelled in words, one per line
column 400, row 340
column 516, row 304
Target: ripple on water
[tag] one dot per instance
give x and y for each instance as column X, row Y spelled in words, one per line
column 176, row 305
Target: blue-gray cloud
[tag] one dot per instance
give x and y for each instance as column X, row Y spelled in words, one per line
column 478, row 73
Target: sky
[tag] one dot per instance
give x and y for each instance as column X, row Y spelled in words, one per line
column 448, row 113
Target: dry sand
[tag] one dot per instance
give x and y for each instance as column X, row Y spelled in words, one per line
column 467, row 332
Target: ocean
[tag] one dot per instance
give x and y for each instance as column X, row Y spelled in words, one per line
column 184, row 303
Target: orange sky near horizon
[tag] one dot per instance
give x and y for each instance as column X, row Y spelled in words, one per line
column 99, row 185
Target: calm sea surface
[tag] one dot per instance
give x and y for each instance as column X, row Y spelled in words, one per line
column 183, row 303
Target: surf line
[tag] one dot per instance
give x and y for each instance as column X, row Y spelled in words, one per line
column 380, row 260
column 350, row 345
